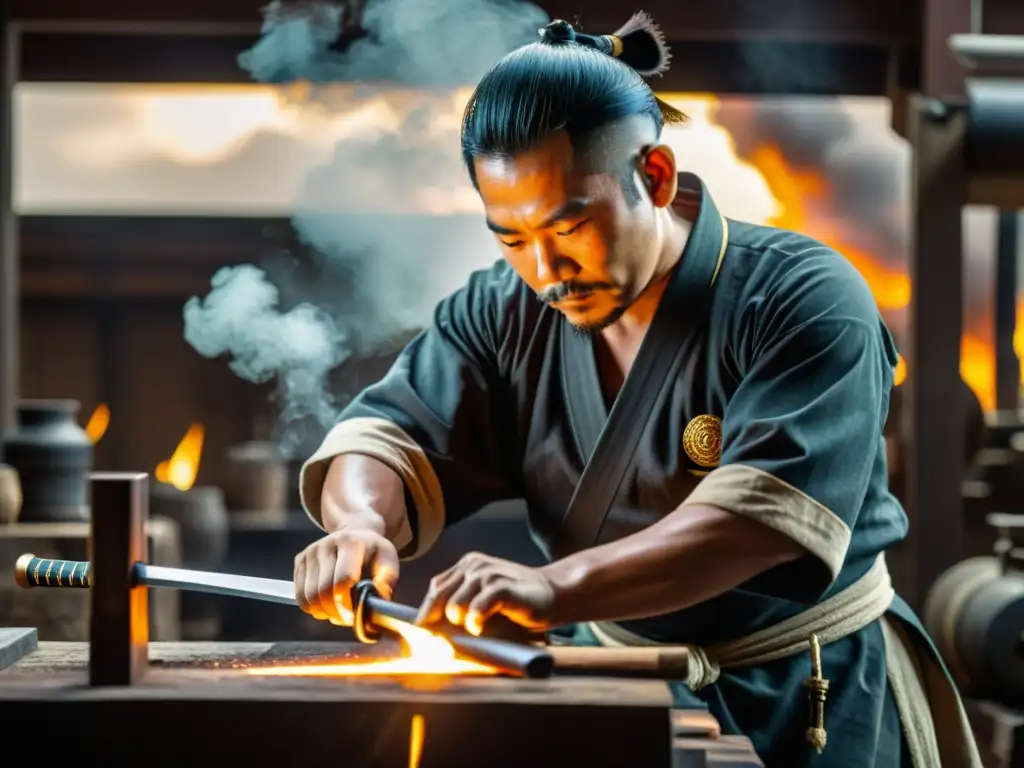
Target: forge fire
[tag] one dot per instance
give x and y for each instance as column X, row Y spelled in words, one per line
column 422, row 653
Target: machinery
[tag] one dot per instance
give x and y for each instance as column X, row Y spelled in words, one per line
column 975, row 614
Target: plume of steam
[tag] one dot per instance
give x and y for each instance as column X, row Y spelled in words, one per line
column 380, row 275
column 413, row 42
column 241, row 317
column 295, row 39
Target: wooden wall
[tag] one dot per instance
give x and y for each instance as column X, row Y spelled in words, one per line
column 102, row 323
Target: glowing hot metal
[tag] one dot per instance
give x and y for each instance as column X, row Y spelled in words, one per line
column 448, row 650
column 428, row 654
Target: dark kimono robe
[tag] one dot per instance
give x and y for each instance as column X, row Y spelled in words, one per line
column 774, row 409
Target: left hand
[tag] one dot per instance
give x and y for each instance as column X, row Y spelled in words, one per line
column 480, row 586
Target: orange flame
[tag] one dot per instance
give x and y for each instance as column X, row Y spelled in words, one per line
column 900, row 374
column 181, row 469
column 425, row 654
column 804, row 206
column 803, row 196
column 97, row 425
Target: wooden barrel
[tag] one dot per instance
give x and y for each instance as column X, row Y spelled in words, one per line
column 256, row 481
column 975, row 614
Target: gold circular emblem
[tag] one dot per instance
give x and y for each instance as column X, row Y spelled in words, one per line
column 702, row 441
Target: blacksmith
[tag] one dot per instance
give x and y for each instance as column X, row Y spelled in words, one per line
column 692, row 411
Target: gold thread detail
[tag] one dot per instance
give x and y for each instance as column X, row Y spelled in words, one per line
column 49, row 570
column 616, row 45
column 702, row 441
column 35, row 573
column 60, row 573
column 721, row 248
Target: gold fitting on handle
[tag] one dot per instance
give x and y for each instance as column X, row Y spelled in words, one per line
column 616, row 45
column 21, row 570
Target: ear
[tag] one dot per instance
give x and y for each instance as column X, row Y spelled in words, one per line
column 659, row 171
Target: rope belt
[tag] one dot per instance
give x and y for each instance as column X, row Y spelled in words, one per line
column 845, row 613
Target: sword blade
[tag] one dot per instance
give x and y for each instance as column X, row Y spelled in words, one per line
column 267, row 590
column 513, row 658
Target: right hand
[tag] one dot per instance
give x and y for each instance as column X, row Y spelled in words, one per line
column 326, row 571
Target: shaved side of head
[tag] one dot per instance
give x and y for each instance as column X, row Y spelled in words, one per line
column 616, row 148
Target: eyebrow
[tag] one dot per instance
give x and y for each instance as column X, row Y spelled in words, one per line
column 569, row 210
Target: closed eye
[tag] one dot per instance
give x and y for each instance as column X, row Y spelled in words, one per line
column 573, row 229
column 519, row 243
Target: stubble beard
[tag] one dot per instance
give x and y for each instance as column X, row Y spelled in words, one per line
column 589, row 329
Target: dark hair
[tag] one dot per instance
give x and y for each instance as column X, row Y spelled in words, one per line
column 567, row 81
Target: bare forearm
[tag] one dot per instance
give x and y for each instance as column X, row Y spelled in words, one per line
column 694, row 554
column 363, row 492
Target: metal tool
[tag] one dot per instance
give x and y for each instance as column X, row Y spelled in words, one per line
column 372, row 612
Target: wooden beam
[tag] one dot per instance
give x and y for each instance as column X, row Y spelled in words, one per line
column 701, row 63
column 942, row 76
column 838, row 20
column 138, row 257
column 195, row 12
column 109, row 57
column 932, row 434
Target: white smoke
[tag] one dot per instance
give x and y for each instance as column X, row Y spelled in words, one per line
column 241, row 317
column 381, row 275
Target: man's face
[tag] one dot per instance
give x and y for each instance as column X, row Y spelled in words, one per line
column 570, row 232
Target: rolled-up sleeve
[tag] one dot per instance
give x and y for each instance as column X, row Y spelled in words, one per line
column 437, row 418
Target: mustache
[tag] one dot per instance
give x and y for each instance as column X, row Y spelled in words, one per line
column 559, row 291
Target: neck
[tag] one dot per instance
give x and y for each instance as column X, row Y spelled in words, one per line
column 674, row 231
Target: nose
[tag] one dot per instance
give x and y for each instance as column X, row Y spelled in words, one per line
column 547, row 262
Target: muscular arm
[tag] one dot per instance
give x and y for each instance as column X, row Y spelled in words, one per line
column 694, row 554
column 363, row 492
column 428, row 444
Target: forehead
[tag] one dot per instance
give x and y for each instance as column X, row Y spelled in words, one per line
column 543, row 176
column 544, row 171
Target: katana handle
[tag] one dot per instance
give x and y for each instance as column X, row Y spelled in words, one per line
column 32, row 571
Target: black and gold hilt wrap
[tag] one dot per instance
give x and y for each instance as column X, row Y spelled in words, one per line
column 32, row 571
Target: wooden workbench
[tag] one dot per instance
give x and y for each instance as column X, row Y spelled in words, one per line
column 200, row 702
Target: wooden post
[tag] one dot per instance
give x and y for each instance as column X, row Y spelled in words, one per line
column 10, row 316
column 942, row 75
column 1007, row 363
column 932, row 436
column 119, row 622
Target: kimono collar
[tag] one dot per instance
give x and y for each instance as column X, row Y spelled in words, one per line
column 702, row 257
